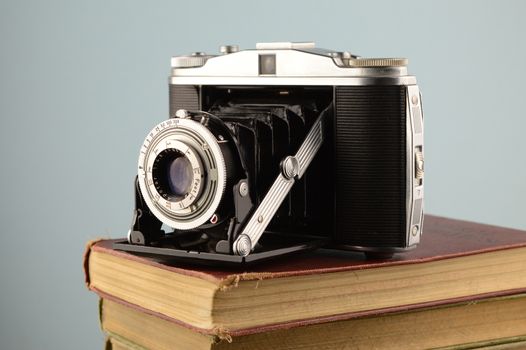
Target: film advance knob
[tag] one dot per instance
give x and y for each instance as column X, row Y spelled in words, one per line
column 377, row 62
column 226, row 49
column 196, row 59
column 419, row 165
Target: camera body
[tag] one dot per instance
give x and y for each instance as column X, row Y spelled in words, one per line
column 281, row 149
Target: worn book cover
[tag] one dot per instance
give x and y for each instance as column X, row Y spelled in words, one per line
column 463, row 325
column 456, row 261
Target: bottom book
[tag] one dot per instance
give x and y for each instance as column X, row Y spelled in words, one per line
column 494, row 323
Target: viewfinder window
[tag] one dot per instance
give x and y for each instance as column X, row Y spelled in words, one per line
column 267, row 64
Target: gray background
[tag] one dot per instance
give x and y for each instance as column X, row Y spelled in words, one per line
column 82, row 82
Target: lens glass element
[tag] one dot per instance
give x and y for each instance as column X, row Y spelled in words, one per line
column 179, row 175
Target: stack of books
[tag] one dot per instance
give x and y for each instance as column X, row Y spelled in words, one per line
column 463, row 287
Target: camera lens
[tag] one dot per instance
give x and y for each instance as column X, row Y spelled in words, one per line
column 173, row 174
column 179, row 175
column 182, row 173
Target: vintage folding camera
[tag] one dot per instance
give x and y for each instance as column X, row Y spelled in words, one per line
column 281, row 149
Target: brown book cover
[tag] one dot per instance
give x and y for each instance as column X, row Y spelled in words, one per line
column 443, row 240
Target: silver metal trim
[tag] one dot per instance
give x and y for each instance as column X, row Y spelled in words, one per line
column 296, row 64
column 415, row 148
column 261, row 217
column 311, row 145
column 301, row 81
column 285, row 45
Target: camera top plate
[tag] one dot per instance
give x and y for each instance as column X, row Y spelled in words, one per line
column 287, row 64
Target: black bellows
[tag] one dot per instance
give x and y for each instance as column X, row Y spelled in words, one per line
column 370, row 166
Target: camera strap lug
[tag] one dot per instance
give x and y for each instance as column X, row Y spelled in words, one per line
column 292, row 168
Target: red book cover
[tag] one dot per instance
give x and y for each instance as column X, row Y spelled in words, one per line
column 442, row 239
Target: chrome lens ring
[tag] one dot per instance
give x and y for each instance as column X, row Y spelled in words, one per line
column 200, row 147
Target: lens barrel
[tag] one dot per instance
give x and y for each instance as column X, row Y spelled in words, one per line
column 182, row 173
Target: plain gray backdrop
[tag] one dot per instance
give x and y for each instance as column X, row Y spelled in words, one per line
column 81, row 83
